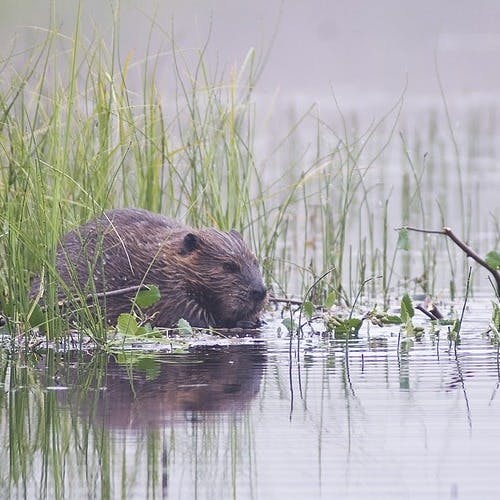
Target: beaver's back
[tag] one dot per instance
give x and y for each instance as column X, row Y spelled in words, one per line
column 123, row 241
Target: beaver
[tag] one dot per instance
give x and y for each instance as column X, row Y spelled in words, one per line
column 208, row 277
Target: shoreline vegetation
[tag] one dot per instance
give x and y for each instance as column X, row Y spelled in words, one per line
column 77, row 137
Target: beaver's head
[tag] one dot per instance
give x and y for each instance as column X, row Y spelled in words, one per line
column 223, row 278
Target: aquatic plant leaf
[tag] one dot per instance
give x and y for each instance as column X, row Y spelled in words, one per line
column 308, row 308
column 493, row 259
column 331, row 322
column 151, row 332
column 141, row 330
column 353, row 325
column 392, row 319
column 139, row 361
column 383, row 318
column 289, row 324
column 348, row 329
column 127, row 324
column 418, row 332
column 407, row 311
column 330, row 299
column 403, row 239
column 146, row 298
column 184, row 327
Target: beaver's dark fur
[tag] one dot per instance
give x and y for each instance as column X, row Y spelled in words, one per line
column 206, row 276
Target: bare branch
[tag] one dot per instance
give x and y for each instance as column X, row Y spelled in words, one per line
column 446, row 231
column 91, row 297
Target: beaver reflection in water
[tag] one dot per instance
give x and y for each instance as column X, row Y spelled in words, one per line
column 206, row 276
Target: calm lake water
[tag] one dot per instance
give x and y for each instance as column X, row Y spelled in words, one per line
column 261, row 418
column 252, row 418
column 403, row 100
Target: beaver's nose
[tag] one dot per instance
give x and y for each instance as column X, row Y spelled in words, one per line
column 258, row 293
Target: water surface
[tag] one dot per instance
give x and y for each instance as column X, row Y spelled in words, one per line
column 254, row 418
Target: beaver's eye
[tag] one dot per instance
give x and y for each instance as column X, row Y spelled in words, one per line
column 231, row 267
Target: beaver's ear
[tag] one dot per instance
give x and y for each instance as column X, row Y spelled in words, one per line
column 236, row 234
column 190, row 243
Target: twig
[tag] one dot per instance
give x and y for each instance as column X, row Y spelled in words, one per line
column 93, row 296
column 430, row 309
column 429, row 314
column 446, row 231
column 284, row 300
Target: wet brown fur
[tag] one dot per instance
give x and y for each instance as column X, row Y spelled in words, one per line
column 206, row 276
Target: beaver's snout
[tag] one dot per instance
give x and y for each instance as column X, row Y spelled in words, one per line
column 258, row 293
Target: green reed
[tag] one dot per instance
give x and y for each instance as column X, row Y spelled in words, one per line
column 342, row 185
column 77, row 140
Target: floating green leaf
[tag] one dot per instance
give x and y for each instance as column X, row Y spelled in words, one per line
column 493, row 259
column 151, row 332
column 147, row 297
column 184, row 327
column 127, row 324
column 289, row 324
column 348, row 329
